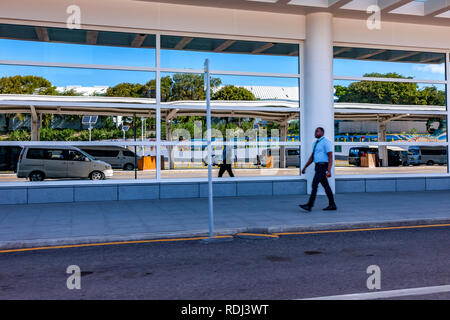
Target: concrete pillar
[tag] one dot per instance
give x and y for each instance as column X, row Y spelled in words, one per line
column 36, row 120
column 283, row 135
column 382, row 150
column 318, row 82
column 169, row 148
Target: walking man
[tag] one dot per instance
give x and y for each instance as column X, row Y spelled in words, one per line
column 227, row 160
column 322, row 156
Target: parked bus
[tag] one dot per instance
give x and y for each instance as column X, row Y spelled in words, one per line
column 9, row 155
column 396, row 156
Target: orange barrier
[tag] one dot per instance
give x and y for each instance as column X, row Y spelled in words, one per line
column 149, row 163
column 269, row 161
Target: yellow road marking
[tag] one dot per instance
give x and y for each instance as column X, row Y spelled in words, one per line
column 273, row 235
column 110, row 243
column 258, row 235
column 355, row 230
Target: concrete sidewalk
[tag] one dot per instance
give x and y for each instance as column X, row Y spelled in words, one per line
column 24, row 226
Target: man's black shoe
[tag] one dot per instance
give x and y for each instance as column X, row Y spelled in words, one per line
column 330, row 208
column 306, row 207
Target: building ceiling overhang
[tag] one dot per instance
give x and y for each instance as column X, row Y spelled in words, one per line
column 435, row 12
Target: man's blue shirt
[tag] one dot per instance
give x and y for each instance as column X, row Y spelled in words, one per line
column 321, row 149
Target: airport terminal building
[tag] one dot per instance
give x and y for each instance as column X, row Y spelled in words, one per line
column 106, row 99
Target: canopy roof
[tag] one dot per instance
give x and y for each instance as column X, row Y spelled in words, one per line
column 274, row 110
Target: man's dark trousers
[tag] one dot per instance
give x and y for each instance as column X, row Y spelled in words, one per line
column 225, row 167
column 321, row 177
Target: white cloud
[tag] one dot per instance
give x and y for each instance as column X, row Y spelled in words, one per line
column 433, row 68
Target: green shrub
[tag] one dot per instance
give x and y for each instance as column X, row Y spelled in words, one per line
column 19, row 135
column 50, row 134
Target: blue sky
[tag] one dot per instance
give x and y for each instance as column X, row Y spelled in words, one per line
column 84, row 54
column 344, row 67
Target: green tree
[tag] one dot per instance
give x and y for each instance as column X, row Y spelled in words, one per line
column 181, row 86
column 230, row 92
column 341, row 91
column 188, row 86
column 389, row 92
column 26, row 85
column 126, row 89
column 166, row 88
column 432, row 96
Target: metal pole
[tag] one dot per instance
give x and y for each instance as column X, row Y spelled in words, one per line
column 142, row 135
column 447, row 87
column 208, row 133
column 158, row 107
column 135, row 139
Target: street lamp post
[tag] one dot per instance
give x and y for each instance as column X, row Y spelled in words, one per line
column 208, row 133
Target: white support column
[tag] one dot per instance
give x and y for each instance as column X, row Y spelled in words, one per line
column 283, row 135
column 169, row 138
column 36, row 121
column 301, row 70
column 382, row 150
column 447, row 88
column 318, row 82
column 158, row 107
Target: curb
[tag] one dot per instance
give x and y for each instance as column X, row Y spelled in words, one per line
column 252, row 233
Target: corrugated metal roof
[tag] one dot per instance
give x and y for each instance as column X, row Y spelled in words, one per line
column 274, row 93
column 260, row 92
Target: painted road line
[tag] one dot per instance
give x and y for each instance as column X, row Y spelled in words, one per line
column 267, row 235
column 273, row 235
column 387, row 294
column 364, row 229
column 110, row 243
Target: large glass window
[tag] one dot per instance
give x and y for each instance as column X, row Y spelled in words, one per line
column 88, row 96
column 256, row 142
column 376, row 159
column 255, row 107
column 91, row 98
column 60, row 45
column 428, row 96
column 404, row 127
column 79, row 82
column 229, row 55
column 372, row 62
column 383, row 97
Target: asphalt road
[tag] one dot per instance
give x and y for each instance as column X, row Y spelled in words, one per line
column 291, row 267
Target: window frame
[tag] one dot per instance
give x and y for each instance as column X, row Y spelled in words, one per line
column 157, row 105
column 446, row 113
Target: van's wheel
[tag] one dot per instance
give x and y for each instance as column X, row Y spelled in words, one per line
column 97, row 175
column 128, row 167
column 36, row 176
column 430, row 163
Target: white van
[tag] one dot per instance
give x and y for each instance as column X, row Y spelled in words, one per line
column 41, row 162
column 117, row 157
column 292, row 156
column 427, row 155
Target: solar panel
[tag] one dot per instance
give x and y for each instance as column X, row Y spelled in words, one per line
column 89, row 120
